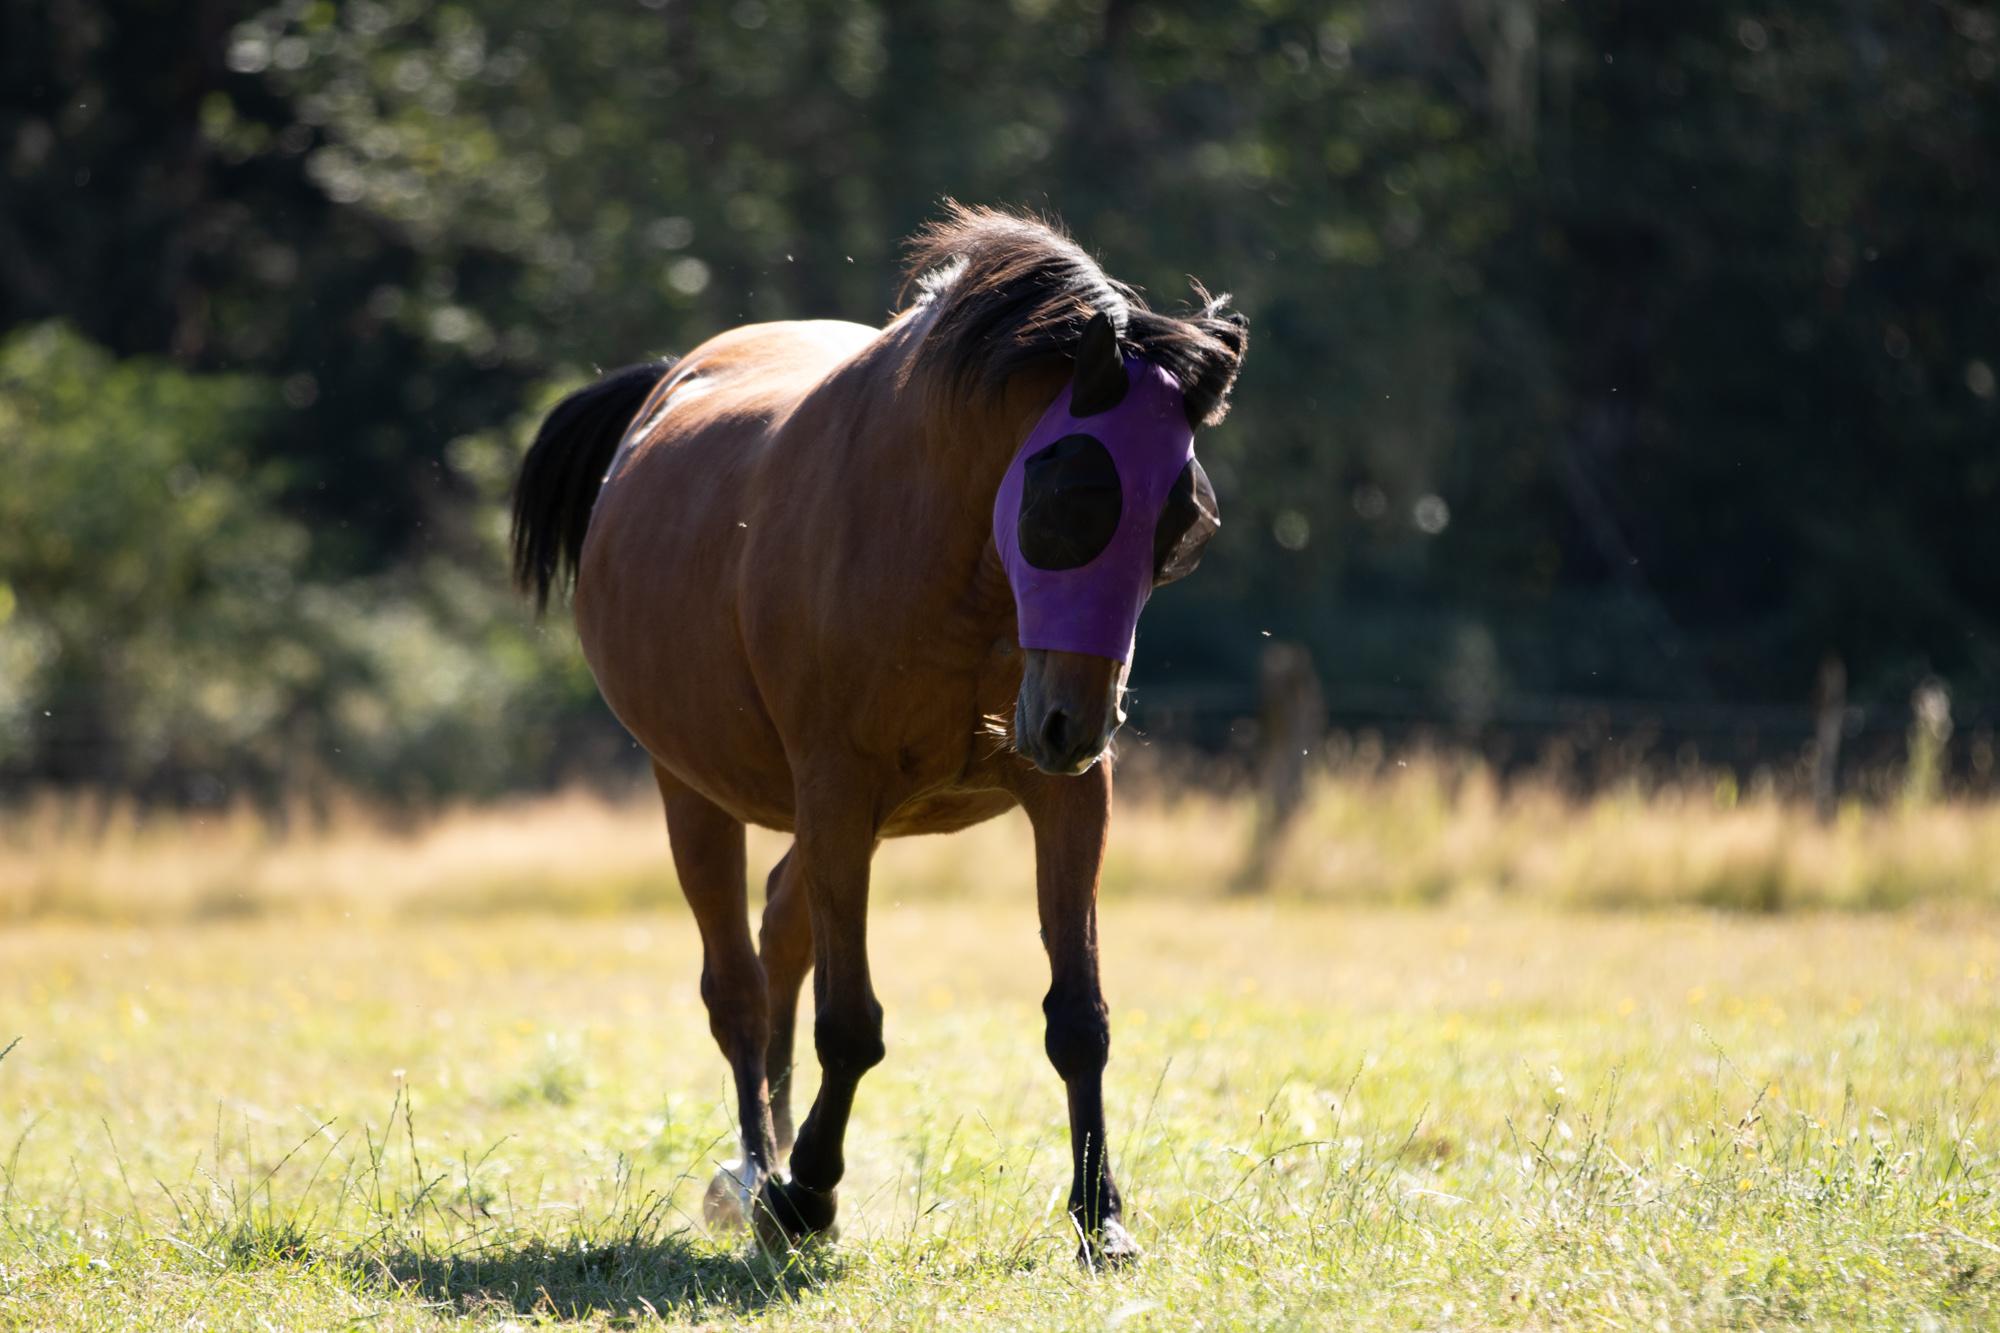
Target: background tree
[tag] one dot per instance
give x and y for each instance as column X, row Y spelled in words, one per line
column 1610, row 352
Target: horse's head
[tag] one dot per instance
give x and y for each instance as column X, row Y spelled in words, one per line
column 1103, row 503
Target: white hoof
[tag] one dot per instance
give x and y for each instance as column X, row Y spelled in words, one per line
column 726, row 1206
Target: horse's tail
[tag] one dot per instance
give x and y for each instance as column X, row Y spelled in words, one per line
column 562, row 472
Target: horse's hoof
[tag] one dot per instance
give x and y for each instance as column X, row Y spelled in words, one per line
column 726, row 1205
column 1110, row 1246
column 789, row 1214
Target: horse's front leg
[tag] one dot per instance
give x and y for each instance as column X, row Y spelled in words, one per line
column 835, row 842
column 1071, row 816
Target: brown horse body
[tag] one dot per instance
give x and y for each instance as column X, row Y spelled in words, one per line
column 752, row 635
column 788, row 590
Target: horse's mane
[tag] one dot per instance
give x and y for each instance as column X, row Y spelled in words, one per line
column 1012, row 292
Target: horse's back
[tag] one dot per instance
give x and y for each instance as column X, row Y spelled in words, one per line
column 769, row 368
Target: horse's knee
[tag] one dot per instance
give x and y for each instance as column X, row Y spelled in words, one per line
column 1078, row 1038
column 850, row 1043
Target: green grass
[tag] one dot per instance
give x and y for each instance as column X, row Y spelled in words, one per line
column 1323, row 1116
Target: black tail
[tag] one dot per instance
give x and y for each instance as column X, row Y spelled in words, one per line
column 562, row 472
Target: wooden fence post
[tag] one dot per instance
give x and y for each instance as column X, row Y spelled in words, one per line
column 1829, row 725
column 1930, row 733
column 1291, row 726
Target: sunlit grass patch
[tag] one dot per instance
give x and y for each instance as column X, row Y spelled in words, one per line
column 1321, row 1117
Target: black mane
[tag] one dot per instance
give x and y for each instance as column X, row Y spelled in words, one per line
column 1013, row 292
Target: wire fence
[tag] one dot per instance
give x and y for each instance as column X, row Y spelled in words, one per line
column 1220, row 731
column 1591, row 741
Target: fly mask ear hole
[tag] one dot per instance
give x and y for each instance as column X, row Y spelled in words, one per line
column 1100, row 381
column 1071, row 501
column 1188, row 521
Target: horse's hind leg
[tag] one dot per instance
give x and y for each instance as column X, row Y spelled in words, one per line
column 708, row 854
column 785, row 946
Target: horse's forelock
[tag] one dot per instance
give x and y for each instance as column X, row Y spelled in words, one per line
column 1012, row 292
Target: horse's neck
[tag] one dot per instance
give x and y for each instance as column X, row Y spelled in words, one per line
column 960, row 437
column 933, row 439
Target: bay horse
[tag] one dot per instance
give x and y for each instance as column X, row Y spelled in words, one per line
column 854, row 583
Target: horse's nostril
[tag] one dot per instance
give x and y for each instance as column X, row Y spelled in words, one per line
column 1056, row 732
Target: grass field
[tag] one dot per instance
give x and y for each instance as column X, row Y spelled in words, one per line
column 422, row 1104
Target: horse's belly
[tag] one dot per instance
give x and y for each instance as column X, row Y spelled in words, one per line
column 946, row 812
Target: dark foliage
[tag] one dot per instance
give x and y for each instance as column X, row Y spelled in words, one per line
column 1613, row 360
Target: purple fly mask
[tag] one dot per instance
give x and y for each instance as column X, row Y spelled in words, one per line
column 1102, row 504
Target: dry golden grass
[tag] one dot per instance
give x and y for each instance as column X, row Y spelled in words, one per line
column 1420, row 831
column 110, row 861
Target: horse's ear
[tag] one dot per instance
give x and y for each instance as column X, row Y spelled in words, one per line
column 1100, row 381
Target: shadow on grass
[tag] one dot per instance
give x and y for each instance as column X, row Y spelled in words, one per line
column 677, row 1274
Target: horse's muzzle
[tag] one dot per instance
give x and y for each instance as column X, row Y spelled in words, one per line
column 1068, row 709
